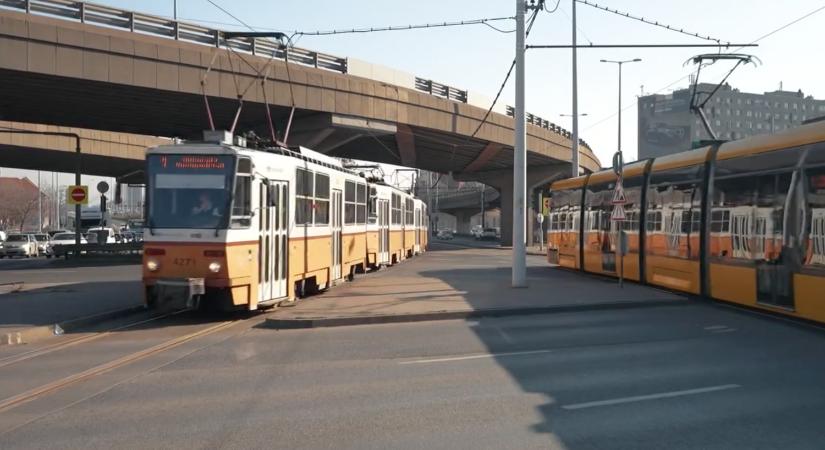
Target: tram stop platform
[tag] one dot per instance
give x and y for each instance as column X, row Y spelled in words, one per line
column 455, row 281
column 40, row 298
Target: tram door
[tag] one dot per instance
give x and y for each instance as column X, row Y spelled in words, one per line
column 417, row 230
column 272, row 240
column 336, row 234
column 383, row 232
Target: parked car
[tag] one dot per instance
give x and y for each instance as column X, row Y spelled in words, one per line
column 43, row 244
column 489, row 234
column 101, row 235
column 475, row 231
column 446, row 235
column 65, row 238
column 23, row 245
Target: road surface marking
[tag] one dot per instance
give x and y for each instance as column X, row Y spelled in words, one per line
column 641, row 398
column 716, row 327
column 726, row 330
column 464, row 358
column 507, row 338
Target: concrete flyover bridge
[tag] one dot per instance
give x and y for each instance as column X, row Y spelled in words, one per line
column 82, row 65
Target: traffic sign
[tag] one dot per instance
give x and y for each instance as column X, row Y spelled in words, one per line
column 540, row 217
column 545, row 207
column 618, row 162
column 618, row 214
column 103, row 187
column 618, row 194
column 77, row 195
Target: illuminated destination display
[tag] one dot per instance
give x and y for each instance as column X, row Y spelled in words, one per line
column 192, row 163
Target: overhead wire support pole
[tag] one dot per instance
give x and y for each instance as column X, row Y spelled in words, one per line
column 575, row 137
column 519, row 270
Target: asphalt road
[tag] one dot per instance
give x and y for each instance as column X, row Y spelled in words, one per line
column 697, row 376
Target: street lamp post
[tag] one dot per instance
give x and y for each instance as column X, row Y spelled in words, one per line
column 619, row 63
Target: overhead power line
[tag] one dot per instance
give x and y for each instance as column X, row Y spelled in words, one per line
column 484, row 21
column 683, row 77
column 651, row 22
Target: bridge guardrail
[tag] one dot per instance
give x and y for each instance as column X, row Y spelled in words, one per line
column 160, row 26
column 97, row 249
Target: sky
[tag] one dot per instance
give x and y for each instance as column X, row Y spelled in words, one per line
column 476, row 57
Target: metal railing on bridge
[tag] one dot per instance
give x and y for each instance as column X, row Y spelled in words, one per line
column 163, row 27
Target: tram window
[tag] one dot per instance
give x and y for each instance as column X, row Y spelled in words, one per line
column 361, row 203
column 720, row 221
column 654, row 221
column 691, row 221
column 349, row 203
column 396, row 209
column 409, row 211
column 815, row 242
column 321, row 199
column 303, row 197
column 242, row 201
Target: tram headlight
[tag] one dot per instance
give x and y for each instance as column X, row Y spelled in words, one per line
column 152, row 265
column 214, row 267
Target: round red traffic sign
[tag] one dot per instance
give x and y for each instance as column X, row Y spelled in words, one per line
column 78, row 194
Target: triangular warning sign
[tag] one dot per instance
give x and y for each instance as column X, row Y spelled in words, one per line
column 618, row 194
column 618, row 214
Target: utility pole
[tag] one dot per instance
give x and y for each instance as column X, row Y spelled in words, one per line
column 519, row 271
column 575, row 137
column 39, row 204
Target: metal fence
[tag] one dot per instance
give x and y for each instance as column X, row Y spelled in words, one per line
column 160, row 26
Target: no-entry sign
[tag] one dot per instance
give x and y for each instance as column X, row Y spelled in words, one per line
column 77, row 195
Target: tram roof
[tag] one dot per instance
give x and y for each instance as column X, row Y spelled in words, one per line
column 684, row 159
column 795, row 137
column 569, row 183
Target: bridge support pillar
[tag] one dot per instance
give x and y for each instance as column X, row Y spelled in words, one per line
column 502, row 180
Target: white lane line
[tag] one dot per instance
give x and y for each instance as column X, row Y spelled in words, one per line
column 641, row 398
column 464, row 358
column 726, row 330
column 507, row 338
column 716, row 327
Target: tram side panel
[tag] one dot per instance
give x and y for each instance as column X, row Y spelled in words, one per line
column 673, row 234
column 563, row 234
column 599, row 239
column 767, row 229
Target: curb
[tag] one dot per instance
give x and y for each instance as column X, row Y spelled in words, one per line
column 33, row 334
column 323, row 322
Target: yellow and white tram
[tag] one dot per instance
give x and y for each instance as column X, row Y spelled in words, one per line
column 243, row 228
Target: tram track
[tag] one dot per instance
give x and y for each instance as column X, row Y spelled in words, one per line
column 84, row 373
column 20, row 357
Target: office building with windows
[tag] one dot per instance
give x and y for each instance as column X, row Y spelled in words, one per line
column 666, row 124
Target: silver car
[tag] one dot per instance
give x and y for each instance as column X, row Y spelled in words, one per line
column 23, row 245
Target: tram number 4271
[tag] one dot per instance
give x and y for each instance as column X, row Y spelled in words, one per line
column 183, row 262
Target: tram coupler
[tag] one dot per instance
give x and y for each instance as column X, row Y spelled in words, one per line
column 175, row 294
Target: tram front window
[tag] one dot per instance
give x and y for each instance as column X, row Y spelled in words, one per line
column 189, row 191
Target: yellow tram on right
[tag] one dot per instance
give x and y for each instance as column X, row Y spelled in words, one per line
column 741, row 221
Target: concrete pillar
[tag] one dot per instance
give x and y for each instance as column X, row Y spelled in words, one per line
column 502, row 180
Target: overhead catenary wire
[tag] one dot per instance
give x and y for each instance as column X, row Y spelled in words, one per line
column 655, row 23
column 680, row 79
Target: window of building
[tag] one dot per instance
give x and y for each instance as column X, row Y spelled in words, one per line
column 758, row 114
column 396, row 209
column 758, row 126
column 776, row 104
column 748, row 101
column 737, row 112
column 821, row 108
column 738, row 124
column 749, row 114
column 727, row 100
column 787, row 116
column 804, row 117
column 718, row 122
column 750, row 125
column 804, row 107
column 738, row 101
column 786, row 105
column 793, row 117
column 727, row 112
column 795, row 106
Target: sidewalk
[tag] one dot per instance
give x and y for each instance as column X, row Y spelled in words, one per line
column 39, row 295
column 452, row 282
